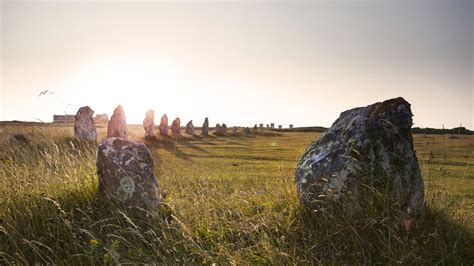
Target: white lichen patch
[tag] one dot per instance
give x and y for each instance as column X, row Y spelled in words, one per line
column 126, row 188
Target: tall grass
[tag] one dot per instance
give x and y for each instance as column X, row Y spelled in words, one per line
column 230, row 200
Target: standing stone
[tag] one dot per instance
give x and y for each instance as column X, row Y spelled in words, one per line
column 280, row 127
column 125, row 170
column 247, row 131
column 224, row 129
column 291, row 126
column 234, row 130
column 84, row 126
column 176, row 127
column 205, row 127
column 164, row 125
column 255, row 127
column 272, row 125
column 365, row 161
column 261, row 126
column 149, row 123
column 190, row 128
column 117, row 124
column 218, row 130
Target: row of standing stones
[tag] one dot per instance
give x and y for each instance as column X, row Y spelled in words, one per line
column 363, row 162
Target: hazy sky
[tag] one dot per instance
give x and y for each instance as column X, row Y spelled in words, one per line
column 238, row 62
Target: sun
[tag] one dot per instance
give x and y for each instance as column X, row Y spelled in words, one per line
column 136, row 84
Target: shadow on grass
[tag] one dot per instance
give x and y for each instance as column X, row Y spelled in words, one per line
column 169, row 144
column 84, row 228
column 329, row 238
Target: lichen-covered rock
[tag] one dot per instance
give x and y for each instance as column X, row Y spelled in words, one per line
column 205, row 127
column 164, row 125
column 190, row 128
column 149, row 123
column 84, row 126
column 364, row 162
column 117, row 124
column 176, row 127
column 125, row 170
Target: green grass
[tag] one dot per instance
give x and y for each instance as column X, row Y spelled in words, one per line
column 229, row 200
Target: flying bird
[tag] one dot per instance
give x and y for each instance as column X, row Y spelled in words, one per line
column 43, row 93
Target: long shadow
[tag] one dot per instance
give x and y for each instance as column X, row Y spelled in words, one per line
column 190, row 145
column 169, row 144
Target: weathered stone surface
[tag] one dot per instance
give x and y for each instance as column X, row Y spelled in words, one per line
column 364, row 162
column 190, row 128
column 176, row 127
column 149, row 123
column 164, row 125
column 117, row 124
column 218, row 129
column 205, row 127
column 84, row 126
column 125, row 170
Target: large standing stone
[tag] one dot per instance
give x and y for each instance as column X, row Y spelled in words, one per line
column 117, row 124
column 84, row 126
column 164, row 125
column 205, row 127
column 149, row 123
column 365, row 161
column 176, row 127
column 125, row 170
column 190, row 128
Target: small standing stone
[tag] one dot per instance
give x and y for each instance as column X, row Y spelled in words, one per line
column 164, row 125
column 190, row 128
column 176, row 127
column 247, row 131
column 224, row 129
column 125, row 170
column 280, row 127
column 118, row 124
column 218, row 129
column 84, row 126
column 149, row 123
column 205, row 127
column 234, row 130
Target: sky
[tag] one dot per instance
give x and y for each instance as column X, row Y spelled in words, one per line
column 238, row 63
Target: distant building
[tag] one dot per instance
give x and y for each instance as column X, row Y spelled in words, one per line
column 101, row 118
column 63, row 118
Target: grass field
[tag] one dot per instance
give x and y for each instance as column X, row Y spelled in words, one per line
column 229, row 200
